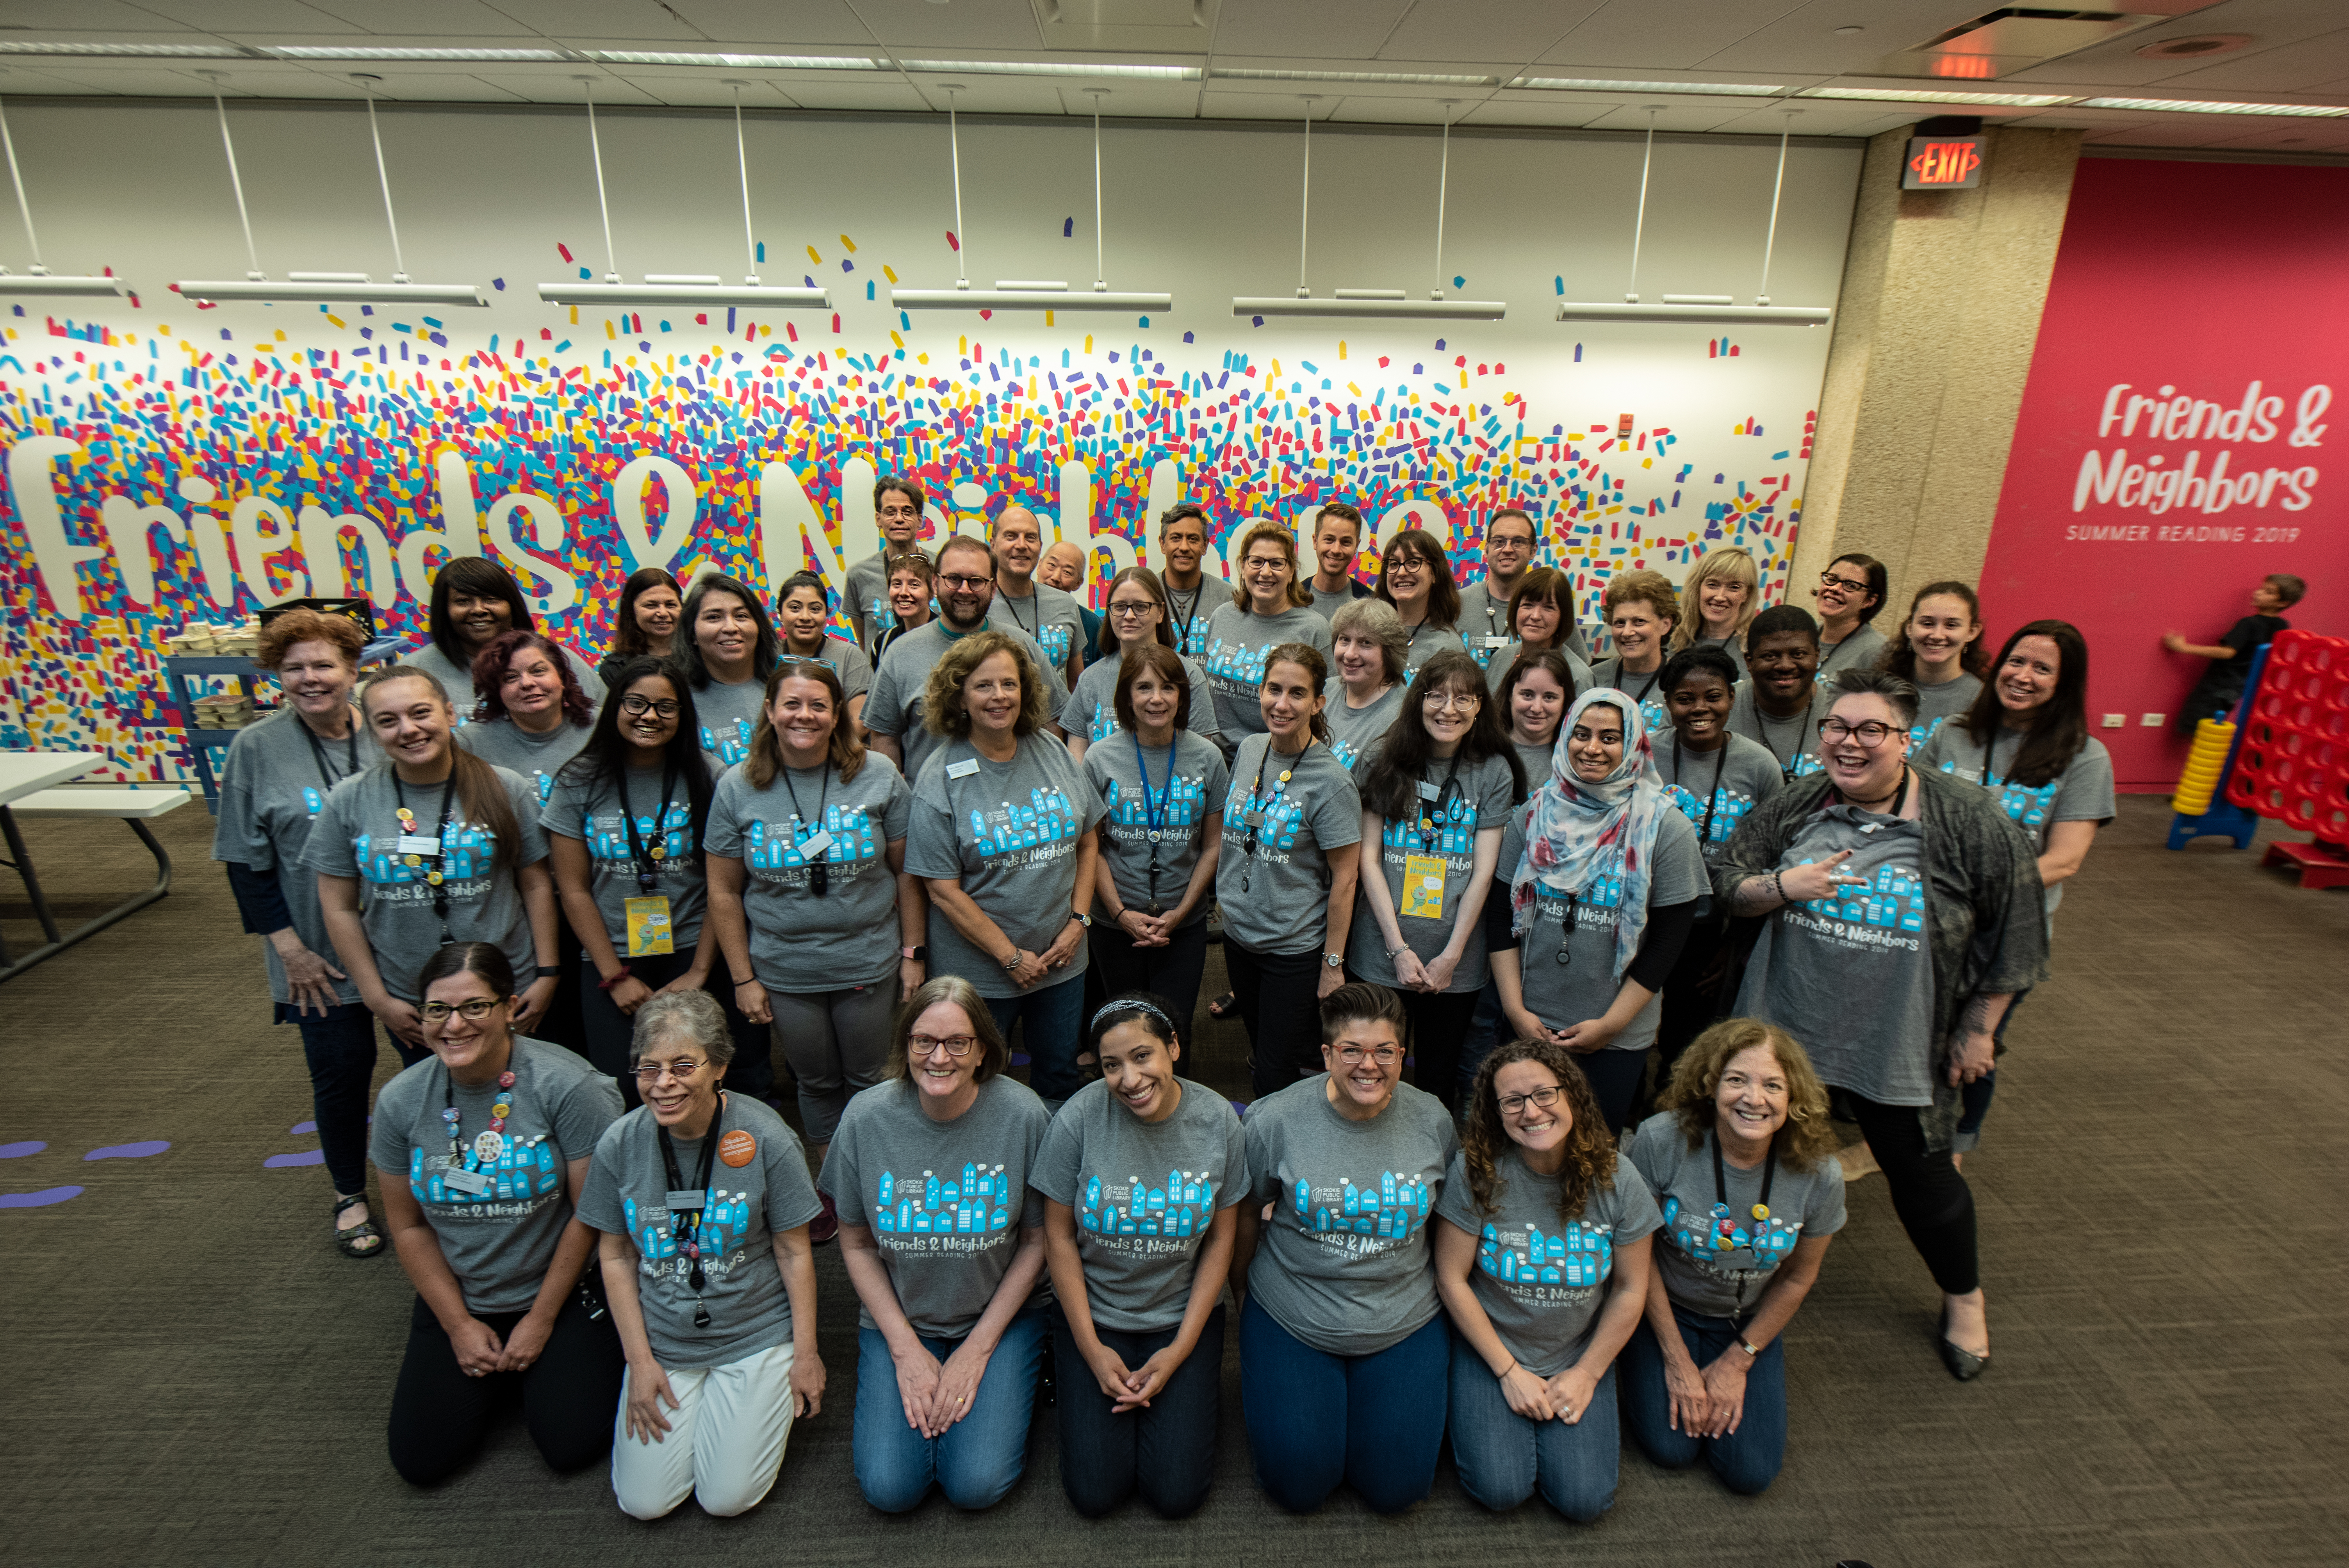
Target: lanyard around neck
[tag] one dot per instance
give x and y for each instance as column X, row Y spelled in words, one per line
column 647, row 860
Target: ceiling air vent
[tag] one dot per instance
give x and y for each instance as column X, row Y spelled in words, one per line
column 2014, row 38
column 2197, row 47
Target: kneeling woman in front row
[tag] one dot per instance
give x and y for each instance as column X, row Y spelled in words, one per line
column 1342, row 1344
column 1139, row 1268
column 703, row 1201
column 1741, row 1159
column 930, row 1173
column 1542, row 1259
column 483, row 1148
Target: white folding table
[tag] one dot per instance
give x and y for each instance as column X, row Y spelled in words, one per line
column 23, row 775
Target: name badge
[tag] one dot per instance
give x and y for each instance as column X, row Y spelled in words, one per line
column 963, row 769
column 1428, row 792
column 693, row 1200
column 416, row 844
column 1423, row 886
column 650, row 930
column 815, row 846
column 472, row 1181
column 1492, row 641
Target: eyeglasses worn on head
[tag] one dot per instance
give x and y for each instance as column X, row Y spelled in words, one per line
column 1869, row 733
column 475, row 1009
column 954, row 1045
column 638, row 707
column 1540, row 1099
column 651, row 1072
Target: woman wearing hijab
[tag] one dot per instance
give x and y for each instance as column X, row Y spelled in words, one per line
column 1604, row 881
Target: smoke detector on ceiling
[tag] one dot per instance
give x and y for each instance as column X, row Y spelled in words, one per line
column 2195, row 47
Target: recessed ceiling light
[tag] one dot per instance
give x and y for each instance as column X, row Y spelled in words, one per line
column 1056, row 68
column 1847, row 32
column 1221, row 73
column 1590, row 84
column 2191, row 105
column 1920, row 95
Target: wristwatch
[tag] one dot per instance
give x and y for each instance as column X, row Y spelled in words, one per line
column 1748, row 1348
column 1084, row 920
column 918, row 955
column 1334, row 960
column 547, row 972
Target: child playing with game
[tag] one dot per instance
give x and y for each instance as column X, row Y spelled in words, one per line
column 2221, row 685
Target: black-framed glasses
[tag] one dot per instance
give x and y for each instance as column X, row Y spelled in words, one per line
column 954, row 1045
column 1868, row 733
column 473, row 1010
column 1143, row 608
column 1540, row 1099
column 1829, row 580
column 636, row 707
column 652, row 1072
column 964, row 585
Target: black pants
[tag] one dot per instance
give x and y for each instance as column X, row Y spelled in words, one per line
column 1693, row 1002
column 1935, row 1205
column 1167, row 1451
column 1278, row 996
column 1172, row 971
column 609, row 1031
column 569, row 1396
column 1615, row 1078
column 1438, row 1023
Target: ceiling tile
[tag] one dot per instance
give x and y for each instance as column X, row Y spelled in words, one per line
column 1151, row 100
column 2315, row 136
column 602, row 19
column 1813, row 118
column 776, row 22
column 914, row 25
column 241, row 16
column 1218, row 104
column 1678, row 36
column 2269, row 23
column 2162, row 133
column 875, row 95
column 1804, row 39
column 152, row 80
column 80, row 20
column 458, row 19
column 2296, row 67
column 1560, row 112
column 1325, row 29
column 1683, row 115
column 1513, row 30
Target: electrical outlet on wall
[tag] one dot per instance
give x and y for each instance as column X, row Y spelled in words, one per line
column 2116, row 720
column 2152, row 720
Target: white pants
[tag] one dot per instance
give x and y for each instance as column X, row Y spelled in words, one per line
column 725, row 1441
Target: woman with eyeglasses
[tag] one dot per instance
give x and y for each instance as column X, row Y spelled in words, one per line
column 484, row 1149
column 803, row 612
column 1542, row 1262
column 1270, row 604
column 475, row 601
column 1741, row 1158
column 1850, row 592
column 624, row 832
column 1604, row 877
column 1415, row 578
column 702, row 1201
column 930, row 1171
column 1436, row 797
column 1342, row 1344
column 730, row 649
column 1642, row 611
column 1004, row 837
column 1285, row 880
column 645, row 623
column 1903, row 914
column 1362, row 700
column 1541, row 621
column 1140, row 1174
column 1137, row 618
column 1160, row 834
column 432, row 845
column 823, row 930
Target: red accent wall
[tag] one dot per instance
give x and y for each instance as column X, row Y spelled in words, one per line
column 2228, row 285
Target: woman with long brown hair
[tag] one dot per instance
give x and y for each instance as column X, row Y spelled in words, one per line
column 1415, row 577
column 651, row 606
column 1542, row 1262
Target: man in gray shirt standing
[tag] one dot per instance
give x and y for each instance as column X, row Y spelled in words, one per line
column 897, row 503
column 1510, row 550
column 1337, row 546
column 1050, row 617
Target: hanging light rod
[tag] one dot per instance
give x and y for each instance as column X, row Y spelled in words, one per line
column 321, row 288
column 1025, row 293
column 40, row 280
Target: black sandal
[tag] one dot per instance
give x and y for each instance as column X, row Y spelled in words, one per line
column 352, row 1241
column 1223, row 1006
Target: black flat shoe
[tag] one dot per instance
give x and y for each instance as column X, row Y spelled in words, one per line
column 1963, row 1364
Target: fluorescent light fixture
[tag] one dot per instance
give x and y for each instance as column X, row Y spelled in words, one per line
column 397, row 52
column 1408, row 78
column 1056, row 68
column 40, row 281
column 1597, row 85
column 1387, row 302
column 1674, row 311
column 652, row 291
column 299, row 290
column 132, row 51
column 739, row 62
column 1018, row 293
column 1925, row 95
column 2189, row 105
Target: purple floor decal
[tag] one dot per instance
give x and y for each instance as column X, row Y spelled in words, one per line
column 287, row 1161
column 130, row 1151
column 18, row 1151
column 299, row 1127
column 40, row 1200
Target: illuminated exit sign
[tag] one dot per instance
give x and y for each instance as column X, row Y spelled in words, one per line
column 1943, row 163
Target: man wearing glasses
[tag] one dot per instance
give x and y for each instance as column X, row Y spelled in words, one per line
column 898, row 506
column 1509, row 552
column 966, row 591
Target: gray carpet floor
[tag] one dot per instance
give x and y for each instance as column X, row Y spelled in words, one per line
column 193, row 1376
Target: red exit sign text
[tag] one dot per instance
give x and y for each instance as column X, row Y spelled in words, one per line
column 1943, row 163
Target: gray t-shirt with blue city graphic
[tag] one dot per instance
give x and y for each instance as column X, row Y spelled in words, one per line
column 1185, row 783
column 1542, row 1278
column 800, row 943
column 593, row 814
column 1275, row 899
column 1423, row 642
column 1238, row 642
column 271, row 788
column 1093, row 703
column 1562, row 994
column 1793, row 743
column 356, row 836
column 729, row 716
column 1939, row 704
column 1715, row 1254
column 1355, row 732
column 1047, row 617
column 1145, row 1196
column 1344, row 1264
column 1497, row 672
column 1467, row 800
column 1647, row 690
column 945, row 1201
column 866, row 599
column 1010, row 831
column 1483, row 625
column 503, row 743
column 2083, row 792
column 500, row 1241
column 458, row 679
column 894, row 706
column 743, row 1208
column 1716, row 790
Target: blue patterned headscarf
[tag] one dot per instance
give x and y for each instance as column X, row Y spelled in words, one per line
column 1578, row 831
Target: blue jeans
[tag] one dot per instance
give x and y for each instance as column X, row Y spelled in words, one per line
column 1314, row 1419
column 1167, row 1451
column 1747, row 1460
column 340, row 1051
column 1055, row 1017
column 1484, row 1034
column 1502, row 1456
column 978, row 1459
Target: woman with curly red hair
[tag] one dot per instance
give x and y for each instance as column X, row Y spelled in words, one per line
column 534, row 715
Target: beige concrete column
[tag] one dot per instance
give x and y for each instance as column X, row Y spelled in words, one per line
column 1933, row 336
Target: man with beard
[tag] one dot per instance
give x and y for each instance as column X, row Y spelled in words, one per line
column 965, row 593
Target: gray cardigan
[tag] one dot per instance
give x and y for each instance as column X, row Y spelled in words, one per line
column 1985, row 926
